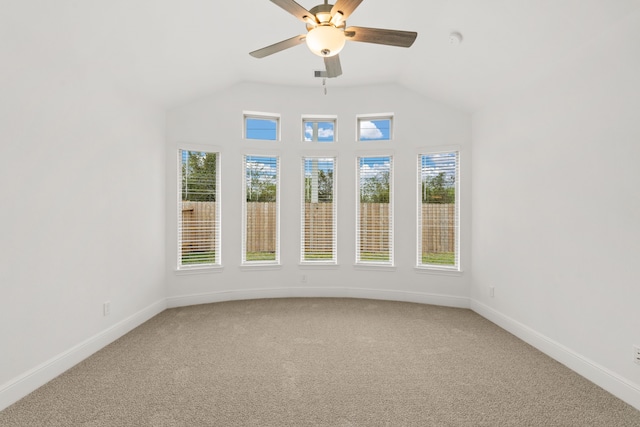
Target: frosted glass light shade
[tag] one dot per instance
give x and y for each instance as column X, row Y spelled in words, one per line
column 325, row 40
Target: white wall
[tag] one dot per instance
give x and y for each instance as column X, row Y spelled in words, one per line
column 82, row 189
column 556, row 211
column 216, row 122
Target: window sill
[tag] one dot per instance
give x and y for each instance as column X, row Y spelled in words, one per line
column 374, row 267
column 199, row 270
column 320, row 265
column 438, row 271
column 259, row 267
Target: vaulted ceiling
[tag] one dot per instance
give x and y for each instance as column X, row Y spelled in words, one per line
column 170, row 51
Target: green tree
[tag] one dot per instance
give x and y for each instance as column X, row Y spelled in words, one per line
column 439, row 188
column 375, row 189
column 325, row 187
column 199, row 177
column 261, row 186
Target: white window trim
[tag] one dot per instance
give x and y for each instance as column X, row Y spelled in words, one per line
column 199, row 268
column 373, row 265
column 432, row 268
column 254, row 265
column 376, row 116
column 333, row 262
column 320, row 118
column 261, row 115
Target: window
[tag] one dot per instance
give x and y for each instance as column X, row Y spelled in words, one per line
column 375, row 128
column 262, row 126
column 438, row 210
column 374, row 216
column 198, row 209
column 261, row 243
column 317, row 129
column 318, row 234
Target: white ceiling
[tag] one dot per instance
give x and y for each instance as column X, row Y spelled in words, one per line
column 170, row 51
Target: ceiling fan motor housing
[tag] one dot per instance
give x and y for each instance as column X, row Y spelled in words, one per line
column 325, row 39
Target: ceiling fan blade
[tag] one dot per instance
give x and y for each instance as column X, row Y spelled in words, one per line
column 332, row 64
column 381, row 36
column 346, row 7
column 277, row 47
column 295, row 9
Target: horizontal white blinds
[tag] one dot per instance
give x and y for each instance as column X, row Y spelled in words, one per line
column 261, row 216
column 318, row 207
column 438, row 218
column 198, row 209
column 374, row 217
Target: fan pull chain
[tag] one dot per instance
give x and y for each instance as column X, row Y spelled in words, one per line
column 324, row 84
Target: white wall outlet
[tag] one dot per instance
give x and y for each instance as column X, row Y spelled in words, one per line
column 303, row 279
column 106, row 308
column 492, row 291
column 636, row 354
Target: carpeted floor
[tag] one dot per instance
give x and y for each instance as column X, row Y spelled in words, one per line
column 319, row 362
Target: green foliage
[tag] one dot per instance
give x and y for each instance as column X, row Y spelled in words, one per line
column 438, row 189
column 199, row 177
column 375, row 189
column 325, row 187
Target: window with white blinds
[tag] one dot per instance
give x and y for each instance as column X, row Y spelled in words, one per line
column 374, row 216
column 198, row 209
column 438, row 210
column 318, row 207
column 261, row 228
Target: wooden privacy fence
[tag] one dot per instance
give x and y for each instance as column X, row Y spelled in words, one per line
column 198, row 227
column 261, row 227
column 438, row 227
column 198, row 231
column 318, row 225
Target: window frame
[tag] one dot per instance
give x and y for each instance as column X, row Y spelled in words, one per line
column 276, row 263
column 390, row 264
column 370, row 117
column 198, row 267
column 456, row 267
column 261, row 116
column 334, row 260
column 319, row 118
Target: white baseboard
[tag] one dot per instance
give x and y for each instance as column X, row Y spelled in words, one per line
column 603, row 377
column 19, row 387
column 324, row 292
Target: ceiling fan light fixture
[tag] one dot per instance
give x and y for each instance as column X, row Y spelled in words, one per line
column 325, row 40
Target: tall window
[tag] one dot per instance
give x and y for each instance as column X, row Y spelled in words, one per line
column 318, row 210
column 438, row 213
column 198, row 209
column 261, row 242
column 374, row 217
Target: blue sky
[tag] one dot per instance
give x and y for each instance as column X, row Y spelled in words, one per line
column 265, row 129
column 374, row 130
column 433, row 164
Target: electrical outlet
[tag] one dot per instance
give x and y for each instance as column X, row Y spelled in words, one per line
column 106, row 308
column 636, row 354
column 303, row 279
column 492, row 291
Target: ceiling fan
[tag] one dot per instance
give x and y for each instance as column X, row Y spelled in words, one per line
column 327, row 32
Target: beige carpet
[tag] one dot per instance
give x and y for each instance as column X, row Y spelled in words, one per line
column 319, row 362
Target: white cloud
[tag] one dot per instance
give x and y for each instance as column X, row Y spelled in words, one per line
column 325, row 133
column 369, row 130
column 322, row 132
